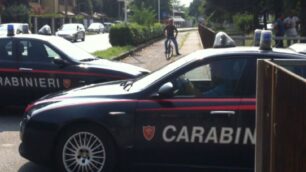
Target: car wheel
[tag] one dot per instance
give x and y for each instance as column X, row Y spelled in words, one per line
column 83, row 39
column 75, row 38
column 85, row 148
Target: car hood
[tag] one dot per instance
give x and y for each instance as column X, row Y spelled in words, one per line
column 116, row 66
column 93, row 28
column 65, row 32
column 113, row 88
column 94, row 93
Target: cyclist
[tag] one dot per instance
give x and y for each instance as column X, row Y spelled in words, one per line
column 169, row 33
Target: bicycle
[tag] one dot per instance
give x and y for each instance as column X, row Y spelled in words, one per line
column 169, row 49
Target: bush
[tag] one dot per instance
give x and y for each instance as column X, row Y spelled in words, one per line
column 244, row 22
column 15, row 13
column 133, row 34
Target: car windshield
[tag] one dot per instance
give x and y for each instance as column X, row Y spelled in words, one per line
column 3, row 29
column 74, row 52
column 69, row 27
column 148, row 80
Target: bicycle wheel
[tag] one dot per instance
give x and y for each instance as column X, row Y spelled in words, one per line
column 169, row 50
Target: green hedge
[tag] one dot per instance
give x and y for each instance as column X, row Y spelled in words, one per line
column 133, row 34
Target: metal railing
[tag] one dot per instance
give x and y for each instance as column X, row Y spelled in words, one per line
column 243, row 40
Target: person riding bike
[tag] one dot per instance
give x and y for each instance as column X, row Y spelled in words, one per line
column 169, row 33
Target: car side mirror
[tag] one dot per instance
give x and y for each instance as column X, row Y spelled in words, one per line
column 60, row 62
column 166, row 90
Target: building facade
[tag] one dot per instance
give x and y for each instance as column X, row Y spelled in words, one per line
column 52, row 6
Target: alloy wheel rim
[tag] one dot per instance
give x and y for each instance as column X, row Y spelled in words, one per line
column 83, row 152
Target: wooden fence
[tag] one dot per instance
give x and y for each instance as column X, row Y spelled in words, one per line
column 281, row 116
column 208, row 36
column 242, row 40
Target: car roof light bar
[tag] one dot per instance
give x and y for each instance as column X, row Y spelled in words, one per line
column 266, row 40
column 10, row 30
column 222, row 40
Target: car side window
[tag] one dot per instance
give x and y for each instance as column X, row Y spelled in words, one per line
column 6, row 49
column 216, row 79
column 52, row 54
column 247, row 82
column 34, row 51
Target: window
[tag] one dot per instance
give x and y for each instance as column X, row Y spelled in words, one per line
column 33, row 50
column 51, row 53
column 217, row 79
column 6, row 51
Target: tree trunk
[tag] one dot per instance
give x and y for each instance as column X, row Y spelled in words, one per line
column 303, row 19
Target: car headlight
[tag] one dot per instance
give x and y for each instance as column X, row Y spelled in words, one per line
column 22, row 124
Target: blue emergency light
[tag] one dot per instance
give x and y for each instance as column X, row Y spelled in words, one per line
column 10, row 30
column 266, row 40
column 257, row 35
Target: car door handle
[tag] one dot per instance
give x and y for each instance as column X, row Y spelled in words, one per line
column 25, row 69
column 222, row 113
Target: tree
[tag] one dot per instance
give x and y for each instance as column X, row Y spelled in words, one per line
column 8, row 3
column 143, row 16
column 303, row 18
column 85, row 6
column 111, row 8
column 15, row 13
column 97, row 5
column 165, row 6
column 194, row 8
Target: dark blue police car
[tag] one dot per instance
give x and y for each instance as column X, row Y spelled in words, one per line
column 33, row 65
column 197, row 112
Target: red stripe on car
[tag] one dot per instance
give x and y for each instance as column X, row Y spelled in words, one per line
column 62, row 72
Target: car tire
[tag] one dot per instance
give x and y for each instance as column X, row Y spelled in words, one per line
column 86, row 146
column 75, row 38
column 83, row 39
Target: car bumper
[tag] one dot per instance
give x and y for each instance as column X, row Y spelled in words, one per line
column 68, row 37
column 37, row 145
column 93, row 30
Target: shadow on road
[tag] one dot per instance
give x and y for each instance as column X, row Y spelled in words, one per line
column 10, row 118
column 32, row 167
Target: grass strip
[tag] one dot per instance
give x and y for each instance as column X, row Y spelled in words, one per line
column 184, row 38
column 112, row 52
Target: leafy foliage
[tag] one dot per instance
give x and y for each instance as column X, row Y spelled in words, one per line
column 133, row 33
column 15, row 13
column 143, row 16
column 165, row 6
column 243, row 22
column 85, row 6
column 110, row 8
column 8, row 3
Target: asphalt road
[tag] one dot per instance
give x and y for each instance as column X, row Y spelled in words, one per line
column 10, row 160
column 94, row 42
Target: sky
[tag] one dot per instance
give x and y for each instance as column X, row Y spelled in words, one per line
column 186, row 2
